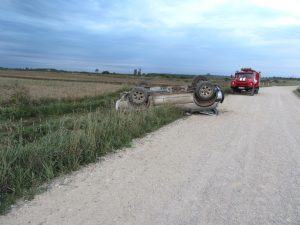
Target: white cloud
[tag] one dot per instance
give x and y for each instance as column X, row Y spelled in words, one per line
column 163, row 28
column 182, row 13
column 290, row 7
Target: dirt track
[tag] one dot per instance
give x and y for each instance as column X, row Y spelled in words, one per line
column 242, row 167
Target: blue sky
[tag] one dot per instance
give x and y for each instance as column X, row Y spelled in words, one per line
column 174, row 36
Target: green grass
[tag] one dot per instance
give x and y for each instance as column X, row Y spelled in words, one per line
column 44, row 109
column 73, row 141
column 33, row 120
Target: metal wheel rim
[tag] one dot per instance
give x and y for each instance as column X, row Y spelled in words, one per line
column 206, row 91
column 138, row 97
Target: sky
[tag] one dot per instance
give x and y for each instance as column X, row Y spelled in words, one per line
column 160, row 36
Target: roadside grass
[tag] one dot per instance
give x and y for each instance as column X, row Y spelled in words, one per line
column 22, row 106
column 297, row 91
column 227, row 90
column 76, row 141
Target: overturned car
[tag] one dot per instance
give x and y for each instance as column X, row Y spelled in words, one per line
column 201, row 96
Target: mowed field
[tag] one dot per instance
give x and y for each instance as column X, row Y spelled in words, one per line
column 91, row 77
column 53, row 89
column 61, row 85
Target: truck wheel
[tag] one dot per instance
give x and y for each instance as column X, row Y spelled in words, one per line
column 197, row 80
column 252, row 91
column 138, row 96
column 256, row 91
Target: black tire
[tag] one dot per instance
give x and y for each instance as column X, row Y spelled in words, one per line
column 205, row 91
column 252, row 91
column 236, row 91
column 197, row 80
column 205, row 103
column 138, row 96
column 205, row 94
column 256, row 90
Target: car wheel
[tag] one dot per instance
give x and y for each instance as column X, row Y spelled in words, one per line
column 205, row 90
column 197, row 80
column 138, row 96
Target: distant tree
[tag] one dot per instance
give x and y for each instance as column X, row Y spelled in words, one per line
column 105, row 72
column 96, row 70
column 135, row 72
column 139, row 71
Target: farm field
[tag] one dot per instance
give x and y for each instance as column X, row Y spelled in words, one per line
column 51, row 89
column 91, row 77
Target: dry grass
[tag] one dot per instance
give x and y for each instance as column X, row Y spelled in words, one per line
column 79, row 77
column 49, row 89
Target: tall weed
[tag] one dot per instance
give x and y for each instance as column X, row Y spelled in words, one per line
column 72, row 144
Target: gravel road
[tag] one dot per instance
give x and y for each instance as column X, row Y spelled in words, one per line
column 241, row 167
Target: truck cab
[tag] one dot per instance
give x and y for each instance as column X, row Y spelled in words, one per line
column 247, row 80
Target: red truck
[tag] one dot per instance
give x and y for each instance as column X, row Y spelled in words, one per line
column 246, row 80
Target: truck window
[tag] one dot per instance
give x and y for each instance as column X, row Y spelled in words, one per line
column 245, row 75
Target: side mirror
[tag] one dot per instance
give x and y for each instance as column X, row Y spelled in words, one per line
column 231, row 76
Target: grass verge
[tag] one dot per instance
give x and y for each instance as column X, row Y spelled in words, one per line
column 297, row 92
column 75, row 142
column 45, row 109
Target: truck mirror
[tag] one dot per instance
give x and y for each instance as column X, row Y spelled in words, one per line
column 231, row 76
